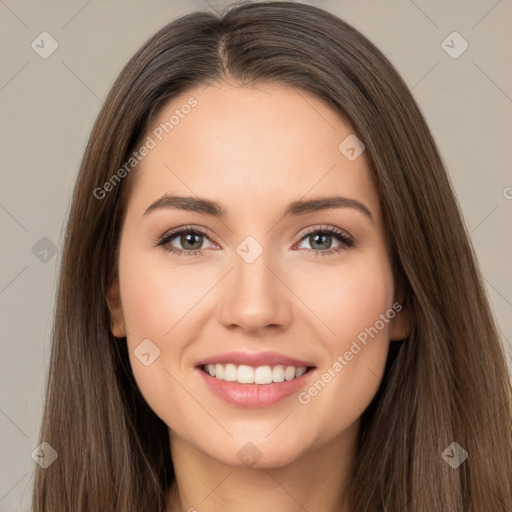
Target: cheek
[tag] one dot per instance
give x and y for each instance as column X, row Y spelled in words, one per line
column 158, row 305
column 367, row 295
column 349, row 297
column 157, row 297
column 354, row 308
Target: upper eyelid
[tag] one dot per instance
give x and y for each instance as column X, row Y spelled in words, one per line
column 328, row 228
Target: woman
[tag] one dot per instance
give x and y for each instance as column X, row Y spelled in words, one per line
column 207, row 353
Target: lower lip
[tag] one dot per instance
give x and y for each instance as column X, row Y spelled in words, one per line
column 254, row 395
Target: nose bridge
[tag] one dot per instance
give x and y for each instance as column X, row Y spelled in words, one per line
column 254, row 297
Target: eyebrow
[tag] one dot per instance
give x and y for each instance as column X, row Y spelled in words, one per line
column 300, row 207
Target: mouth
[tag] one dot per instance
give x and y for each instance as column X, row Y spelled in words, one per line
column 254, row 380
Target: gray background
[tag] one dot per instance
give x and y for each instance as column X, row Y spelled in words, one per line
column 48, row 107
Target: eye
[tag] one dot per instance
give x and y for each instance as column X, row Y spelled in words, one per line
column 321, row 238
column 190, row 240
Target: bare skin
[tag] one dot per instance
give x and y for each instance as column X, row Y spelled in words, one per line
column 254, row 150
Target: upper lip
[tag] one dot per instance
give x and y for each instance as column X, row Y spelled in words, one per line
column 251, row 359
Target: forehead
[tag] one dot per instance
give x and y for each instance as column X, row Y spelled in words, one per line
column 269, row 143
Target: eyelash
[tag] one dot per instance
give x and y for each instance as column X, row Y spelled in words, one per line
column 346, row 241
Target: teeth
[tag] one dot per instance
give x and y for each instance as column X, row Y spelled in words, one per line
column 290, row 373
column 244, row 374
column 230, row 373
column 278, row 374
column 300, row 371
column 263, row 375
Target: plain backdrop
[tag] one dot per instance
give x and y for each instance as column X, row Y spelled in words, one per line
column 48, row 106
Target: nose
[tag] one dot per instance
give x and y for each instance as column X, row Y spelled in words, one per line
column 255, row 298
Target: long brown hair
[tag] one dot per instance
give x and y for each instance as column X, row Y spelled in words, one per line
column 447, row 382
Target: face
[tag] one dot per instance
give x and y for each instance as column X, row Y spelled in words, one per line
column 259, row 292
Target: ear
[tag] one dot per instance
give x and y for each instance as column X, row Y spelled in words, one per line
column 117, row 324
column 401, row 324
